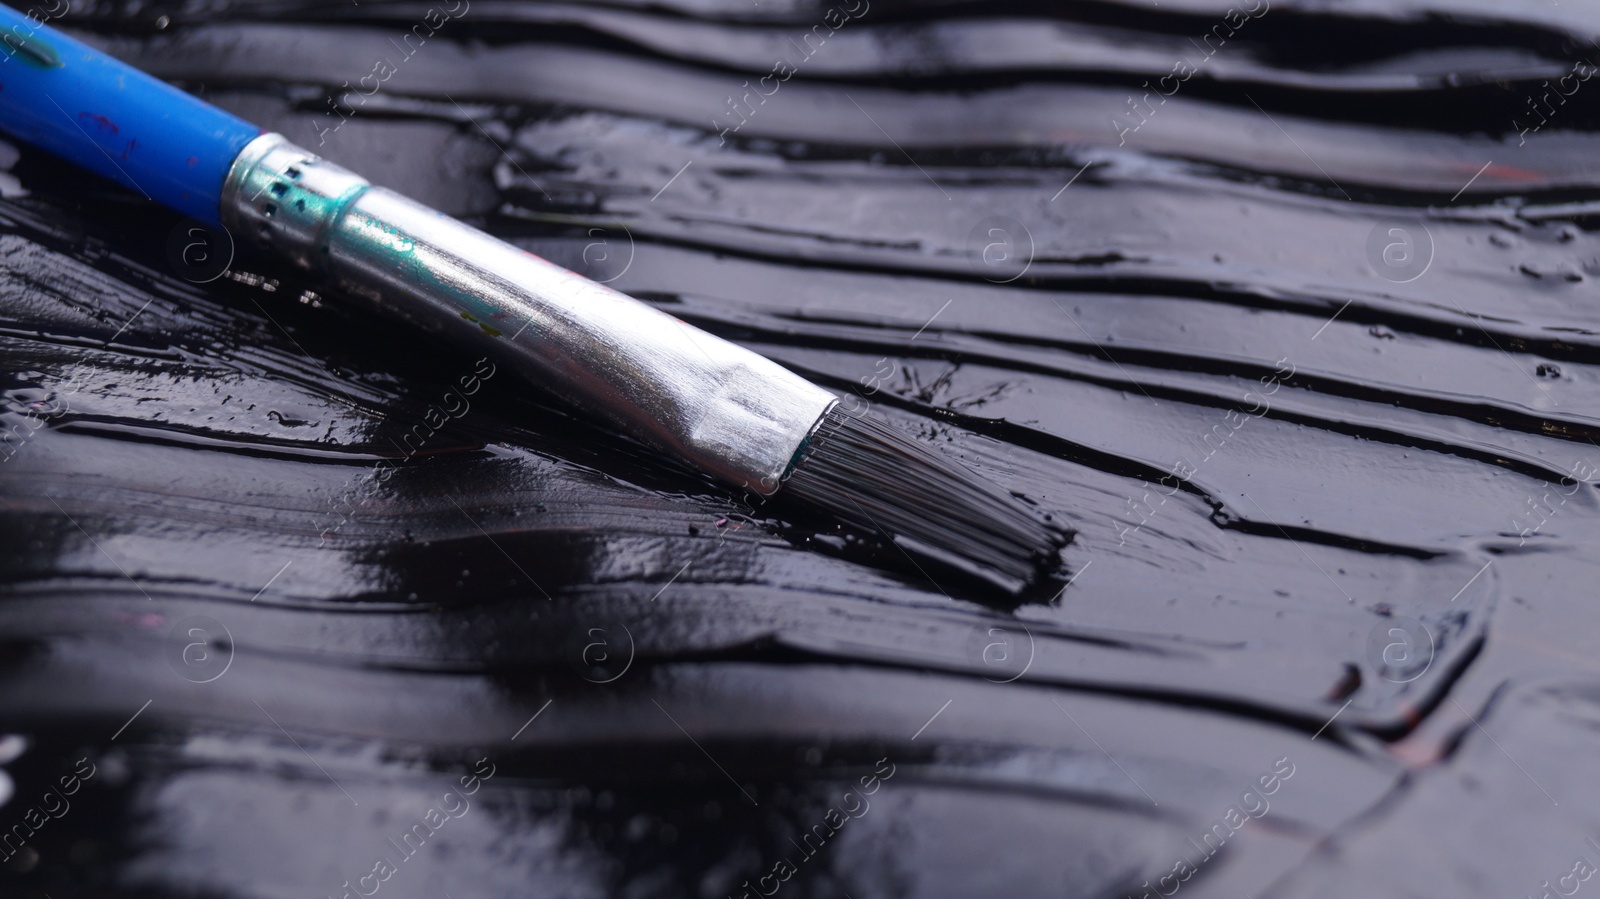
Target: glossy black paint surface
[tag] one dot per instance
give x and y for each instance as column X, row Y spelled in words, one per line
column 1329, row 520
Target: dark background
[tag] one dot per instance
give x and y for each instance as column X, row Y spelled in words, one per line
column 1334, row 507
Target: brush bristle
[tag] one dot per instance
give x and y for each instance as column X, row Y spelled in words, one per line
column 869, row 475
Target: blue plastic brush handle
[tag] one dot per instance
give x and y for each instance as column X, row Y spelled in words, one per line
column 78, row 103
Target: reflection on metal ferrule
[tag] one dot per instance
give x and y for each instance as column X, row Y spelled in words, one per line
column 730, row 412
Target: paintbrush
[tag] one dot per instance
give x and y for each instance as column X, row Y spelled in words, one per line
column 725, row 410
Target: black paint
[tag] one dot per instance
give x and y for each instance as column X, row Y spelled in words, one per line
column 1390, row 458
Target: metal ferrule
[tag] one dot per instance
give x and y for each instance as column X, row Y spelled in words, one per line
column 728, row 411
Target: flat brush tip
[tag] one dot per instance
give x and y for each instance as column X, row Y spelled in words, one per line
column 865, row 473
